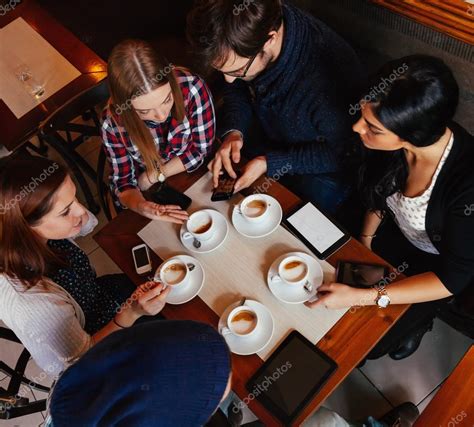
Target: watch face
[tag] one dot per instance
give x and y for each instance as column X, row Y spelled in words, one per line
column 383, row 301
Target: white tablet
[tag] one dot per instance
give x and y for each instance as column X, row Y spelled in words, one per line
column 316, row 230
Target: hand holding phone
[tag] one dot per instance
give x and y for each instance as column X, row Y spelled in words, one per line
column 360, row 275
column 224, row 189
column 163, row 194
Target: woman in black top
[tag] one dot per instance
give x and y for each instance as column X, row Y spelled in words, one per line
column 418, row 186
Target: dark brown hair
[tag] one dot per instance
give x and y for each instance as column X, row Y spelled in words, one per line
column 134, row 69
column 215, row 27
column 27, row 193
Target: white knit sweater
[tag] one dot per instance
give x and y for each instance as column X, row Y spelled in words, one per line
column 46, row 319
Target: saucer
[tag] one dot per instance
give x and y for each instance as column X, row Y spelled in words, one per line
column 186, row 292
column 259, row 229
column 296, row 294
column 257, row 341
column 222, row 229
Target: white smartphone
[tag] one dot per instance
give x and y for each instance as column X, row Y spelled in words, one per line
column 141, row 258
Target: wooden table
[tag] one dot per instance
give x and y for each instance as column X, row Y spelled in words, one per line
column 93, row 69
column 453, row 404
column 348, row 342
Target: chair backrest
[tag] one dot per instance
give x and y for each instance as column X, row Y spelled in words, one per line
column 75, row 107
column 12, row 402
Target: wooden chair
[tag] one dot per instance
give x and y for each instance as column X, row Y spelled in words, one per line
column 62, row 121
column 12, row 402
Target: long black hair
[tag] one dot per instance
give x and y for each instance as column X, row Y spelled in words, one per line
column 415, row 97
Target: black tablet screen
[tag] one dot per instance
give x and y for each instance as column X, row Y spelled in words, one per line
column 291, row 376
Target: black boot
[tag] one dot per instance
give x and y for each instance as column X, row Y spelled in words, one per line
column 411, row 343
column 403, row 415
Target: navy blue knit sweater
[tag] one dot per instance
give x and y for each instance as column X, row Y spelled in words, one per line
column 302, row 101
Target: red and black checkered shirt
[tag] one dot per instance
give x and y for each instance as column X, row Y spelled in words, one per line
column 191, row 140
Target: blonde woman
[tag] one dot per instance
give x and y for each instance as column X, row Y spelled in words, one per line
column 160, row 121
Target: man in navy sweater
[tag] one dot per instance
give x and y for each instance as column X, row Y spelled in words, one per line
column 293, row 76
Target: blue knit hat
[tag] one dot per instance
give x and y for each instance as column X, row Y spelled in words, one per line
column 155, row 374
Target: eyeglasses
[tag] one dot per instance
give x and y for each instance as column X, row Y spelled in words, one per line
column 246, row 69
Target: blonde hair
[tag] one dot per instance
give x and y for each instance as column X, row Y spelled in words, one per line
column 134, row 69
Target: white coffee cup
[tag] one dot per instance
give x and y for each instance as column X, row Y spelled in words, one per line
column 292, row 270
column 242, row 321
column 174, row 272
column 254, row 208
column 200, row 226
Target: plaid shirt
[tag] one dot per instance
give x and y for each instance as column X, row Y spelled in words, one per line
column 190, row 140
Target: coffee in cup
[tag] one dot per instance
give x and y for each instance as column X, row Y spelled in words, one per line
column 174, row 272
column 242, row 321
column 254, row 208
column 293, row 270
column 200, row 226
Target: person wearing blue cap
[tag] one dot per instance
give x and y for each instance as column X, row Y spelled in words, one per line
column 155, row 374
column 165, row 374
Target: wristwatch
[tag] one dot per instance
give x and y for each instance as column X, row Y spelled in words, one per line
column 161, row 177
column 382, row 300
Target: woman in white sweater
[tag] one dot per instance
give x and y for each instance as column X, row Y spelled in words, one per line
column 49, row 293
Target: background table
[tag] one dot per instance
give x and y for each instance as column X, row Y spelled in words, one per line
column 93, row 69
column 348, row 342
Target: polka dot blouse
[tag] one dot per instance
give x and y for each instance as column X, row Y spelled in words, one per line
column 410, row 212
column 80, row 280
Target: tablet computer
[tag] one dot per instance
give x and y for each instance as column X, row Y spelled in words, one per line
column 291, row 377
column 320, row 234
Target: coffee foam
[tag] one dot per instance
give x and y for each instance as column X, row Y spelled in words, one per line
column 244, row 322
column 202, row 227
column 255, row 208
column 174, row 273
column 294, row 271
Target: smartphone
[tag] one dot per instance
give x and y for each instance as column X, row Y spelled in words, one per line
column 361, row 275
column 291, row 377
column 166, row 195
column 224, row 189
column 141, row 259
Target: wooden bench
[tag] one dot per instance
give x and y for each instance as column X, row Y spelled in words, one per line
column 453, row 404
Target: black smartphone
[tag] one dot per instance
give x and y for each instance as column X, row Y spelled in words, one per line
column 361, row 275
column 291, row 377
column 224, row 189
column 166, row 195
